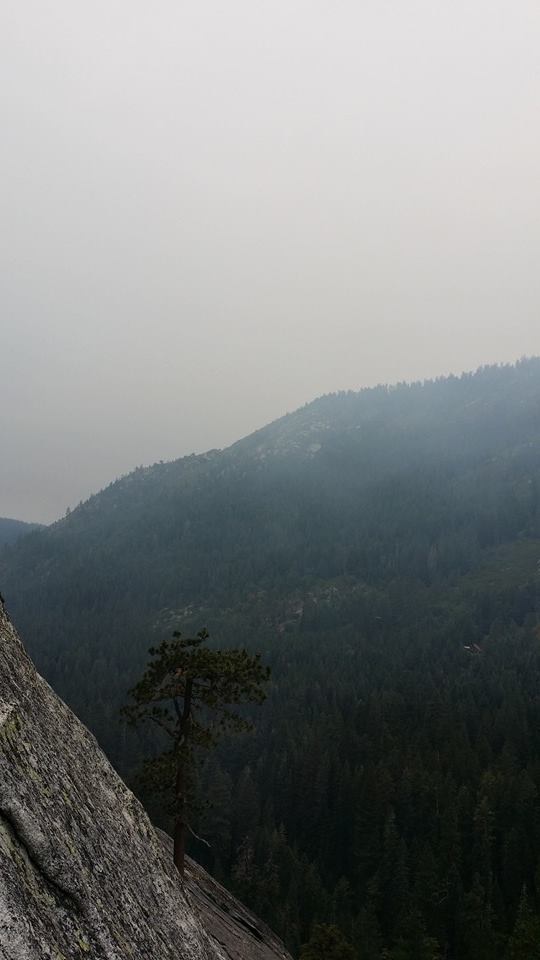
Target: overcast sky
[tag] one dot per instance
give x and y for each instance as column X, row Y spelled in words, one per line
column 213, row 212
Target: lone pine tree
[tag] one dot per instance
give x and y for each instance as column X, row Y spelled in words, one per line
column 190, row 691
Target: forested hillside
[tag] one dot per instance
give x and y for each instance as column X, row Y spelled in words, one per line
column 381, row 550
column 11, row 530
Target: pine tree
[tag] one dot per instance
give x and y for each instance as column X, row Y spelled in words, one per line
column 189, row 692
column 478, row 923
column 367, row 938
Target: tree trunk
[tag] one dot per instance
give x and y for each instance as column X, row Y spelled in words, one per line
column 182, row 754
column 180, row 818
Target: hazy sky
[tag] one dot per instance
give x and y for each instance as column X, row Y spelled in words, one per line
column 213, row 212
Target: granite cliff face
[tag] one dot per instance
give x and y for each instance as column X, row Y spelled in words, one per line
column 82, row 872
column 239, row 934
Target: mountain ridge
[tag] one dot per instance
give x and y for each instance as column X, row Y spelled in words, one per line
column 11, row 530
column 380, row 550
column 386, row 394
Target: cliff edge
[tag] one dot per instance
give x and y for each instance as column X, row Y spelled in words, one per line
column 83, row 874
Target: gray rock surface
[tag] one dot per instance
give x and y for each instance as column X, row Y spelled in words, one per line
column 237, row 931
column 239, row 934
column 82, row 872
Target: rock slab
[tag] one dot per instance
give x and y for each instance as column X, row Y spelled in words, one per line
column 83, row 874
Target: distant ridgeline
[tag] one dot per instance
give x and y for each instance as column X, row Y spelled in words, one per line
column 381, row 550
column 11, row 530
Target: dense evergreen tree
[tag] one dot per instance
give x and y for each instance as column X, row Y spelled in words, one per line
column 191, row 694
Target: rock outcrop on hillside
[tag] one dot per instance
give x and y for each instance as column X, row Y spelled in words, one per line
column 82, row 872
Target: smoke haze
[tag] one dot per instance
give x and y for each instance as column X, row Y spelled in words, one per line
column 214, row 212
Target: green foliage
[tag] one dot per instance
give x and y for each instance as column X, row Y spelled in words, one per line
column 217, row 680
column 327, row 943
column 190, row 692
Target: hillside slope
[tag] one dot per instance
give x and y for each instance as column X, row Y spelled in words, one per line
column 381, row 550
column 414, row 481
